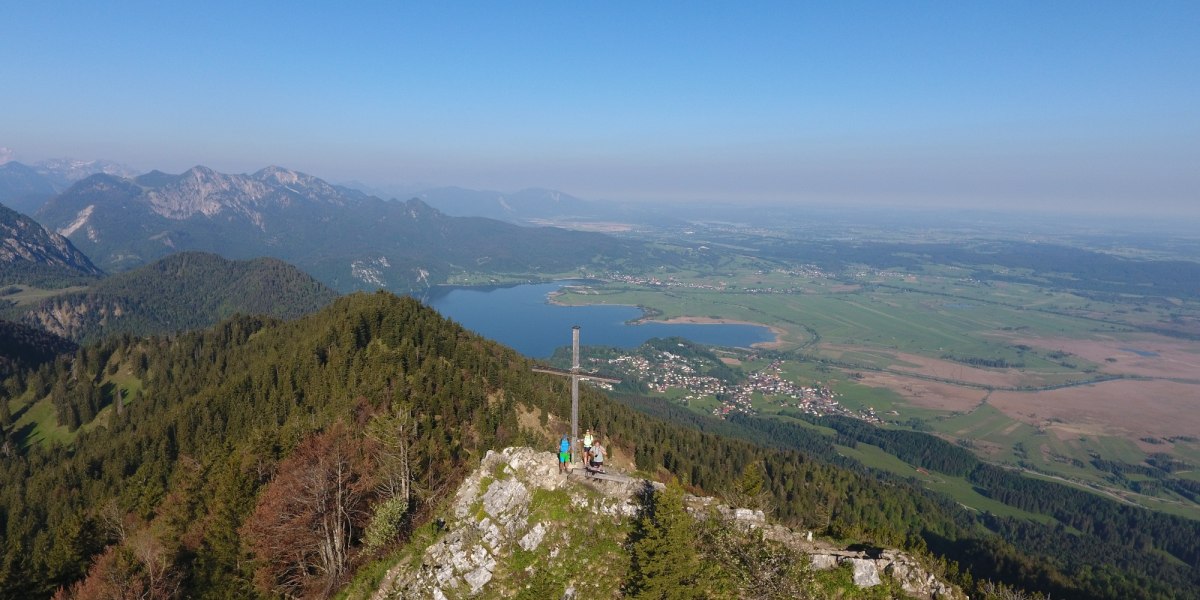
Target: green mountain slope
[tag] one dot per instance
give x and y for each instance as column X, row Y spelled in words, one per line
column 264, row 458
column 188, row 290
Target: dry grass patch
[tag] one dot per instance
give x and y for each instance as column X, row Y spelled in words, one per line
column 1128, row 408
column 925, row 394
column 1144, row 354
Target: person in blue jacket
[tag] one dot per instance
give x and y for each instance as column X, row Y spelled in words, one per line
column 564, row 453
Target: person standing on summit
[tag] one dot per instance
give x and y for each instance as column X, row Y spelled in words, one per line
column 596, row 462
column 564, row 453
column 587, row 446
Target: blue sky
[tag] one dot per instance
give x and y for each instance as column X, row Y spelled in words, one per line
column 1072, row 105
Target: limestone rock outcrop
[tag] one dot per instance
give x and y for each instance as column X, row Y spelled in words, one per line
column 489, row 520
column 497, row 531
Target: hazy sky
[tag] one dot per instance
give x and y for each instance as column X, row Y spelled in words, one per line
column 1024, row 104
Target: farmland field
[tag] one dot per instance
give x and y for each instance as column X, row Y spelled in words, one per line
column 1026, row 375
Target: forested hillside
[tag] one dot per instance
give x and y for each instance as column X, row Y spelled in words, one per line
column 262, row 458
column 26, row 347
column 187, row 290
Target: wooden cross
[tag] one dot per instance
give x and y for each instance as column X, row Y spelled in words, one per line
column 575, row 376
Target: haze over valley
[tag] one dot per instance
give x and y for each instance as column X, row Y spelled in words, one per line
column 876, row 301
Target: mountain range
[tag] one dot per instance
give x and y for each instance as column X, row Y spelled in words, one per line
column 26, row 188
column 344, row 237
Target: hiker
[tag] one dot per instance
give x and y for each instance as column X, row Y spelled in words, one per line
column 597, row 460
column 587, row 446
column 564, row 453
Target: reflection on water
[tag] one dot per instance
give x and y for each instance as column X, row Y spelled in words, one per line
column 521, row 317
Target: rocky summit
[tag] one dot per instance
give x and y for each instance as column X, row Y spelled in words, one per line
column 517, row 528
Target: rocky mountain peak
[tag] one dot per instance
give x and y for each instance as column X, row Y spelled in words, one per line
column 200, row 172
column 418, row 209
column 279, row 175
column 201, row 190
column 517, row 509
column 300, row 184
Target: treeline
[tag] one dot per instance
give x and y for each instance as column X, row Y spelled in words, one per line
column 913, row 447
column 977, row 361
column 1159, row 468
column 1089, row 562
column 1094, row 516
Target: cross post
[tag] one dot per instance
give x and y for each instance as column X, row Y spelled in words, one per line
column 575, row 376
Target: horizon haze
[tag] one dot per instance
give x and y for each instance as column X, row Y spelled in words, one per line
column 1069, row 107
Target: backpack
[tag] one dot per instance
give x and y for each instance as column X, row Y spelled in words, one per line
column 564, row 445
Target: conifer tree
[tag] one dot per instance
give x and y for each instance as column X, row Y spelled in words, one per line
column 665, row 563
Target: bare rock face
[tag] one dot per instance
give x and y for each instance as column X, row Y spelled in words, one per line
column 23, row 240
column 865, row 572
column 490, row 519
column 67, row 317
column 869, row 571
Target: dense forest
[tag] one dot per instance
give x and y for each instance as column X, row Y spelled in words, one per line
column 1152, row 551
column 28, row 347
column 263, row 458
column 187, row 290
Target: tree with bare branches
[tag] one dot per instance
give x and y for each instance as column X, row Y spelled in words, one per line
column 306, row 521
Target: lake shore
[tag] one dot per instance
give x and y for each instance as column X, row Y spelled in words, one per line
column 777, row 331
column 649, row 315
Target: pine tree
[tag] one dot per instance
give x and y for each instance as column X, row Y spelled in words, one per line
column 665, row 563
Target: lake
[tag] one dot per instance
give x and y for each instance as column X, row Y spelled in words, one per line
column 522, row 317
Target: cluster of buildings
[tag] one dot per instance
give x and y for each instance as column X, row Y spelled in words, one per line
column 652, row 281
column 801, row 271
column 664, row 371
column 667, row 370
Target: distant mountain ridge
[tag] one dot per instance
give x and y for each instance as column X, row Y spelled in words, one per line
column 25, row 188
column 32, row 255
column 183, row 291
column 344, row 237
column 523, row 206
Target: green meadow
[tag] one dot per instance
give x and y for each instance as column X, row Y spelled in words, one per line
column 957, row 488
column 834, row 328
